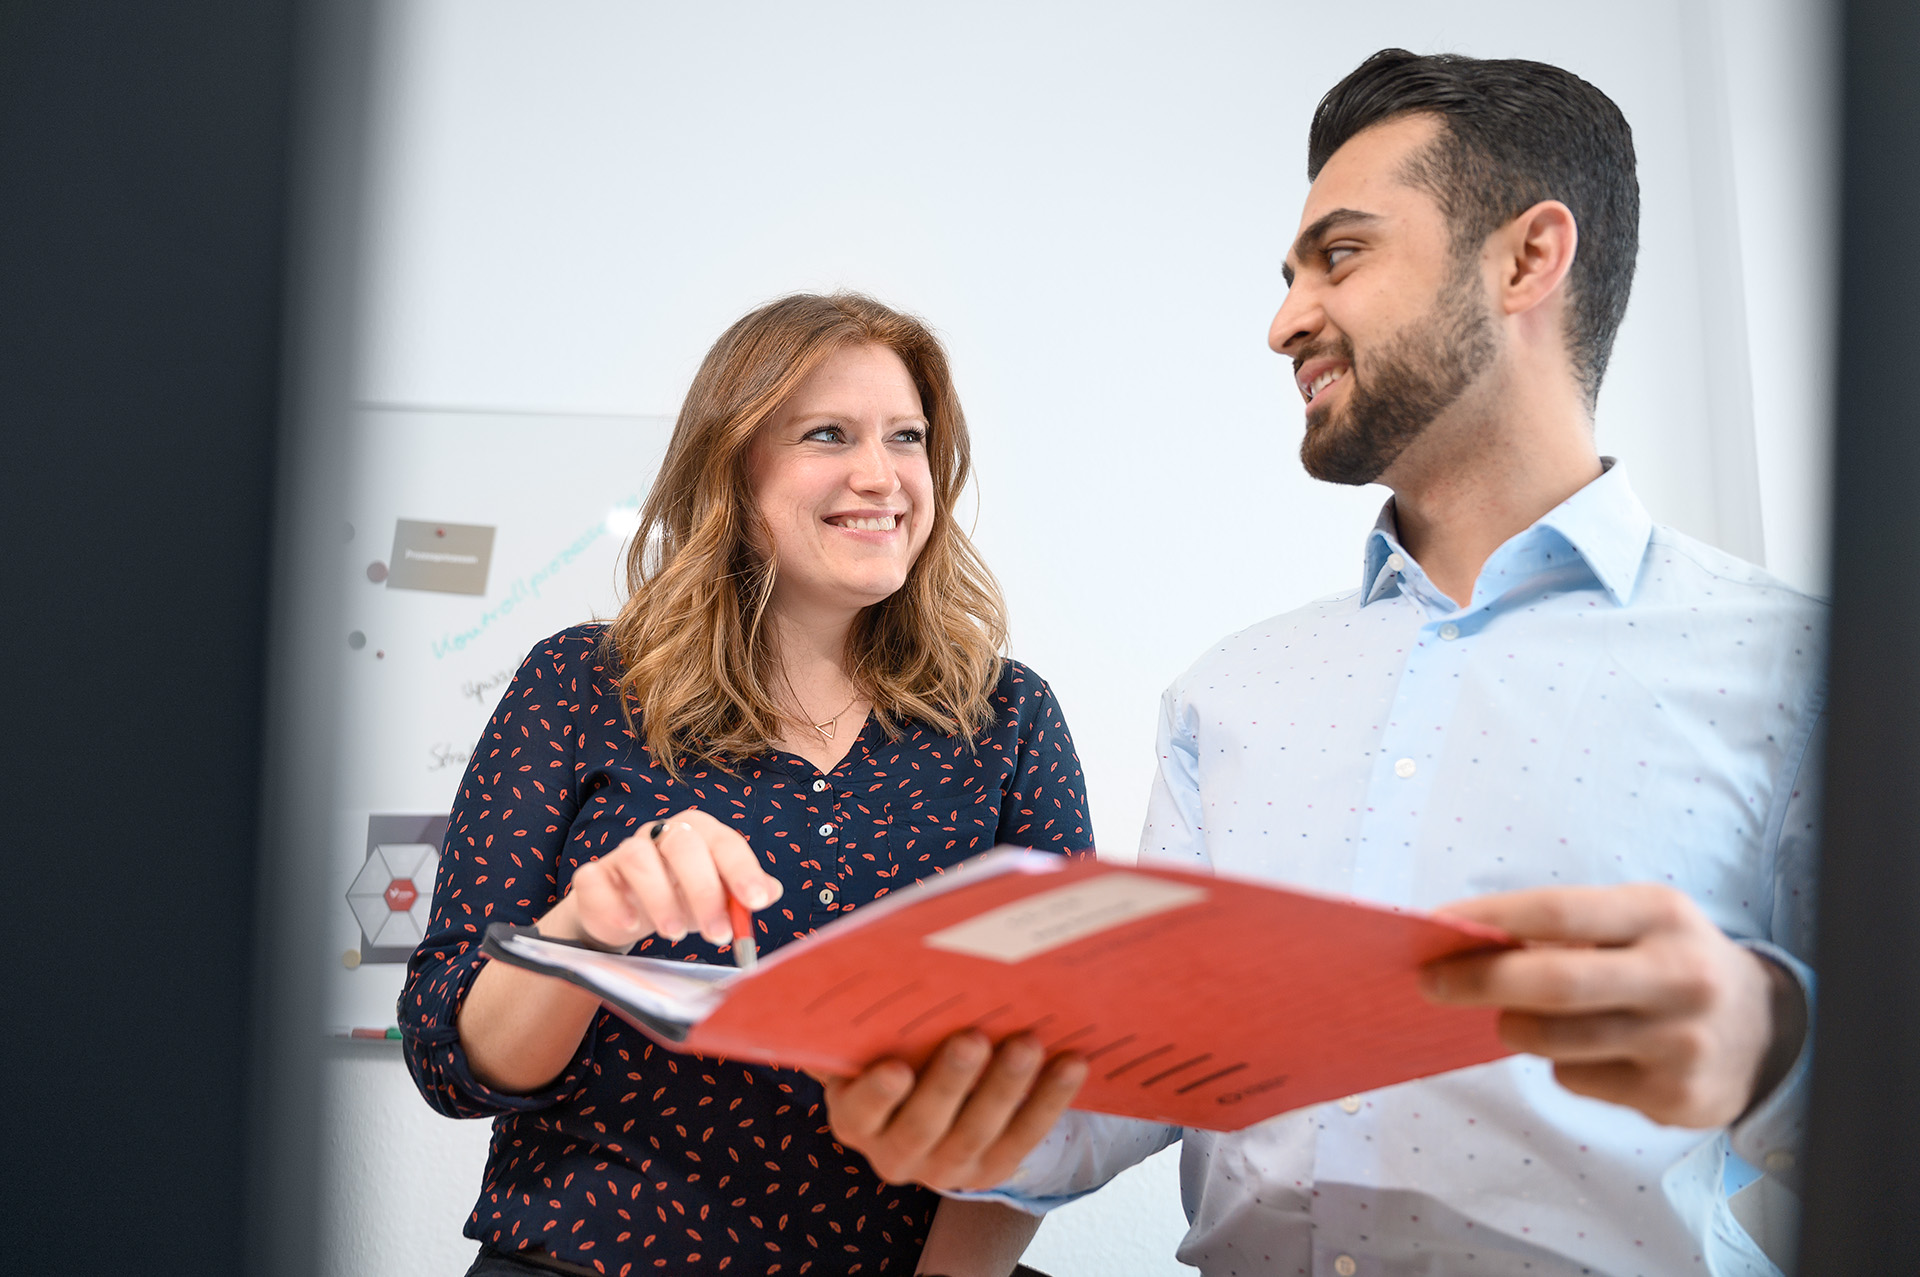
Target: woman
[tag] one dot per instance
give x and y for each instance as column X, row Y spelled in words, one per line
column 804, row 685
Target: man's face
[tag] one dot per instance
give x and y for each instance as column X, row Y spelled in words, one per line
column 1385, row 327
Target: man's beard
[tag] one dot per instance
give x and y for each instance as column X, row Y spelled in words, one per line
column 1418, row 374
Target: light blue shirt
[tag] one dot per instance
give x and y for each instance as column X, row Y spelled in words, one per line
column 1618, row 703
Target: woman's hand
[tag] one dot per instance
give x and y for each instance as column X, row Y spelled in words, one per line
column 520, row 1029
column 672, row 877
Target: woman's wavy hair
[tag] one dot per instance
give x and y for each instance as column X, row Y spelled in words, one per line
column 691, row 640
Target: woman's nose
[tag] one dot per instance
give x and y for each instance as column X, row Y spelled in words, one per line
column 874, row 470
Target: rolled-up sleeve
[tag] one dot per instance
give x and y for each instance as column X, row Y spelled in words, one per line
column 500, row 863
column 1079, row 1155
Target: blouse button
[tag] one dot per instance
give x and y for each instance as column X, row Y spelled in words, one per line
column 819, row 786
column 1344, row 1265
column 825, row 831
column 826, row 895
column 1449, row 631
column 1350, row 1105
column 1405, row 768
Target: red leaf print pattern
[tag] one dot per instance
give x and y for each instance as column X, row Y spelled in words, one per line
column 732, row 1155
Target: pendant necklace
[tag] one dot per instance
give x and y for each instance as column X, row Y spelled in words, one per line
column 827, row 728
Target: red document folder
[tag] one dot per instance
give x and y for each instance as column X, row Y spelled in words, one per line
column 1198, row 1001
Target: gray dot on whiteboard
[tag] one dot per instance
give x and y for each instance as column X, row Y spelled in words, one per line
column 376, row 571
column 356, row 640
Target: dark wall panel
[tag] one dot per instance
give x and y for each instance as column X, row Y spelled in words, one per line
column 1863, row 1185
column 143, row 160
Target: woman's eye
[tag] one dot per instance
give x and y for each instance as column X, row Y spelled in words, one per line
column 913, row 436
column 826, row 434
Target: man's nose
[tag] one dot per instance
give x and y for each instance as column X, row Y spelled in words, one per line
column 1296, row 322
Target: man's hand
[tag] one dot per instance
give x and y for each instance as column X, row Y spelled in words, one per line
column 1635, row 996
column 966, row 1120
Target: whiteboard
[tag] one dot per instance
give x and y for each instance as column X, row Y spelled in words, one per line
column 470, row 537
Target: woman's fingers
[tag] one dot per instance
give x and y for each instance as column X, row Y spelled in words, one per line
column 619, row 899
column 740, row 870
column 688, row 855
column 672, row 877
column 646, row 879
column 733, row 859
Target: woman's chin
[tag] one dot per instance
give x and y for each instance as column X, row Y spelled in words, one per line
column 848, row 596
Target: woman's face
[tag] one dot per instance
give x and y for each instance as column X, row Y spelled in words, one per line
column 840, row 476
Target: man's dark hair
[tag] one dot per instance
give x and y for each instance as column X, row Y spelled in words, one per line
column 1515, row 133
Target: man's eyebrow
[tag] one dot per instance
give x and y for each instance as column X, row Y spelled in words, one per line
column 1322, row 227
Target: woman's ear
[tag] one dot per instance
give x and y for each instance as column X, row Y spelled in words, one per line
column 1535, row 252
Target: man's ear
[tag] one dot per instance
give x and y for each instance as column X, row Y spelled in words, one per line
column 1534, row 252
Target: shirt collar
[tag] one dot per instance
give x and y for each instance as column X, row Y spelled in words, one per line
column 1604, row 523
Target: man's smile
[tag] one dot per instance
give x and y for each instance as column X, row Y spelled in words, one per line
column 1316, row 375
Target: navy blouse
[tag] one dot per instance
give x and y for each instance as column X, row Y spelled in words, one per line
column 637, row 1159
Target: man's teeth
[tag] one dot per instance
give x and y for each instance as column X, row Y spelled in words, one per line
column 1324, row 380
column 882, row 524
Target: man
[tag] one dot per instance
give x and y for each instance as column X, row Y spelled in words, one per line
column 1598, row 731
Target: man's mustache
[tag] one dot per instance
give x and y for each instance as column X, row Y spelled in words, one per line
column 1339, row 347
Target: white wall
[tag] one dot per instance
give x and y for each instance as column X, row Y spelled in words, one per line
column 1091, row 202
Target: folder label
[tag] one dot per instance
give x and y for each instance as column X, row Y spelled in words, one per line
column 1018, row 931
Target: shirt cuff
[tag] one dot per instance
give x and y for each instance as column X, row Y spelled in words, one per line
column 444, row 1075
column 1079, row 1155
column 1769, row 1135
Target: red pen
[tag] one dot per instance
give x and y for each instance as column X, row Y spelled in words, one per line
column 745, row 952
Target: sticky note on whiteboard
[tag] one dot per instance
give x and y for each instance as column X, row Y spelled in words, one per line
column 451, row 558
column 1018, row 931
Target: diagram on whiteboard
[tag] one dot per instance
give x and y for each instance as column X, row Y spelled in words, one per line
column 392, row 894
column 473, row 536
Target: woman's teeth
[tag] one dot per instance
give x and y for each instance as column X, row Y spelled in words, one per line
column 882, row 524
column 1324, row 380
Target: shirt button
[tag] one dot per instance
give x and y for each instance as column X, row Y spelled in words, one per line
column 825, row 831
column 819, row 786
column 1779, row 1161
column 1344, row 1265
column 1394, row 564
column 1351, row 1104
column 1405, row 768
column 1449, row 631
column 826, row 895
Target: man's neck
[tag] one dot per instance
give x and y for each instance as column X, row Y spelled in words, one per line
column 1466, row 488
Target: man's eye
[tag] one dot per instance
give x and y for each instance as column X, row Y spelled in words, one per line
column 1337, row 255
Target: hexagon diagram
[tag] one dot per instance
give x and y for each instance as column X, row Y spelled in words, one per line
column 393, row 892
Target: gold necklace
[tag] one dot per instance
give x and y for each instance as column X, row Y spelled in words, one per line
column 828, row 728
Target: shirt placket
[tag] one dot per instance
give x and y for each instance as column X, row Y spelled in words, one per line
column 1349, row 1147
column 1408, row 756
column 827, row 809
